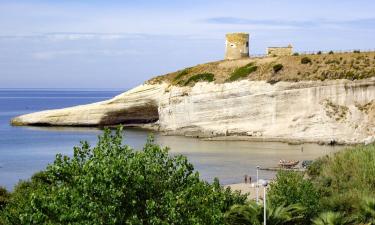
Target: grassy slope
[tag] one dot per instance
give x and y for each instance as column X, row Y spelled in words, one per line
column 326, row 66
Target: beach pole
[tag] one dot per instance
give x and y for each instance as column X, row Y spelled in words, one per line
column 264, row 184
column 257, row 188
column 265, row 208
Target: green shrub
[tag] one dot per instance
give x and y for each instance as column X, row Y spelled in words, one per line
column 252, row 213
column 181, row 74
column 200, row 77
column 296, row 54
column 277, row 68
column 4, row 197
column 319, row 52
column 331, row 218
column 291, row 188
column 331, row 52
column 112, row 183
column 356, row 51
column 305, row 60
column 345, row 178
column 242, row 72
column 366, row 211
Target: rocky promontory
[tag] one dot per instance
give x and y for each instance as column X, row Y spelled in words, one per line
column 265, row 104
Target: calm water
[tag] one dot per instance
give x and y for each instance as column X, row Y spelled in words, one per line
column 25, row 150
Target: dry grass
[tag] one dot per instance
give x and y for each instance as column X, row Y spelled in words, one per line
column 326, row 66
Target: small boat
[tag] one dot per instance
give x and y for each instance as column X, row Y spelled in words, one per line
column 288, row 164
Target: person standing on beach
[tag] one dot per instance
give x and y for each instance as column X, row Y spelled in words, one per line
column 245, row 178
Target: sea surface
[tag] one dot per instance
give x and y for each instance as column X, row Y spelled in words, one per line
column 26, row 150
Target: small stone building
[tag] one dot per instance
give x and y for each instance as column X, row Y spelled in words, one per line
column 280, row 51
column 237, row 46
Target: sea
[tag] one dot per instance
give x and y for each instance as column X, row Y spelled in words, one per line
column 29, row 149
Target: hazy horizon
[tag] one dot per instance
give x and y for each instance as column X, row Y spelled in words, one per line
column 120, row 44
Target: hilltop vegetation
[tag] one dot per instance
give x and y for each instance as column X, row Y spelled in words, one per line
column 351, row 66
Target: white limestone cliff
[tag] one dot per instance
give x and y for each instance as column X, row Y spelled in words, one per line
column 309, row 111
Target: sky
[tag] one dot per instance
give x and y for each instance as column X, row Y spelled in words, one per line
column 121, row 44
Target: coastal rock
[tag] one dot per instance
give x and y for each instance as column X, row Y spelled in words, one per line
column 331, row 111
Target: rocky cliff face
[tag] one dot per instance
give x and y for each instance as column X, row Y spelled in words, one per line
column 310, row 111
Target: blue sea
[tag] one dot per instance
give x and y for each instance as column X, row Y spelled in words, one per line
column 26, row 150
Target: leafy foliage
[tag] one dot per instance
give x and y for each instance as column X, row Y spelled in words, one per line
column 112, row 183
column 243, row 72
column 305, row 60
column 249, row 213
column 182, row 73
column 4, row 197
column 366, row 212
column 346, row 178
column 331, row 218
column 252, row 213
column 291, row 188
column 209, row 77
column 277, row 68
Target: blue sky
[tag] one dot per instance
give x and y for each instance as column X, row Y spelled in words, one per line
column 120, row 44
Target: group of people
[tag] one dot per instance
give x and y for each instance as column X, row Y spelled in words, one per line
column 247, row 179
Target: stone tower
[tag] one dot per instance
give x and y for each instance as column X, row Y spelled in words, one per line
column 237, row 46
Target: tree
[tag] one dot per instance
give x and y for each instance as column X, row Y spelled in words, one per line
column 112, row 183
column 291, row 188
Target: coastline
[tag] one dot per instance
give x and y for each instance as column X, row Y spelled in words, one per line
column 246, row 188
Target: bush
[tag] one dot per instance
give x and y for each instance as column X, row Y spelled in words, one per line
column 305, row 60
column 4, row 197
column 356, row 51
column 331, row 218
column 277, row 68
column 331, row 52
column 296, row 54
column 291, row 188
column 181, row 74
column 209, row 77
column 319, row 53
column 112, row 183
column 252, row 213
column 346, row 178
column 243, row 72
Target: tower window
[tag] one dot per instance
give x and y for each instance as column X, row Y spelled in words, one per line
column 247, row 44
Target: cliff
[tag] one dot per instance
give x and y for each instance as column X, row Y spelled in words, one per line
column 333, row 110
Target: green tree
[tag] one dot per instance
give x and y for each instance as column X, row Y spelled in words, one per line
column 291, row 188
column 112, row 183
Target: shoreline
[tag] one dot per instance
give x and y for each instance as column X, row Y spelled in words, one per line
column 246, row 188
column 153, row 127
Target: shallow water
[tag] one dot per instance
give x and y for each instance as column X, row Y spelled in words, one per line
column 25, row 150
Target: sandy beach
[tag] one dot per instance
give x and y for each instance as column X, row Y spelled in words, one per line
column 247, row 188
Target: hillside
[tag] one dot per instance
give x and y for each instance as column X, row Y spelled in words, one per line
column 351, row 66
